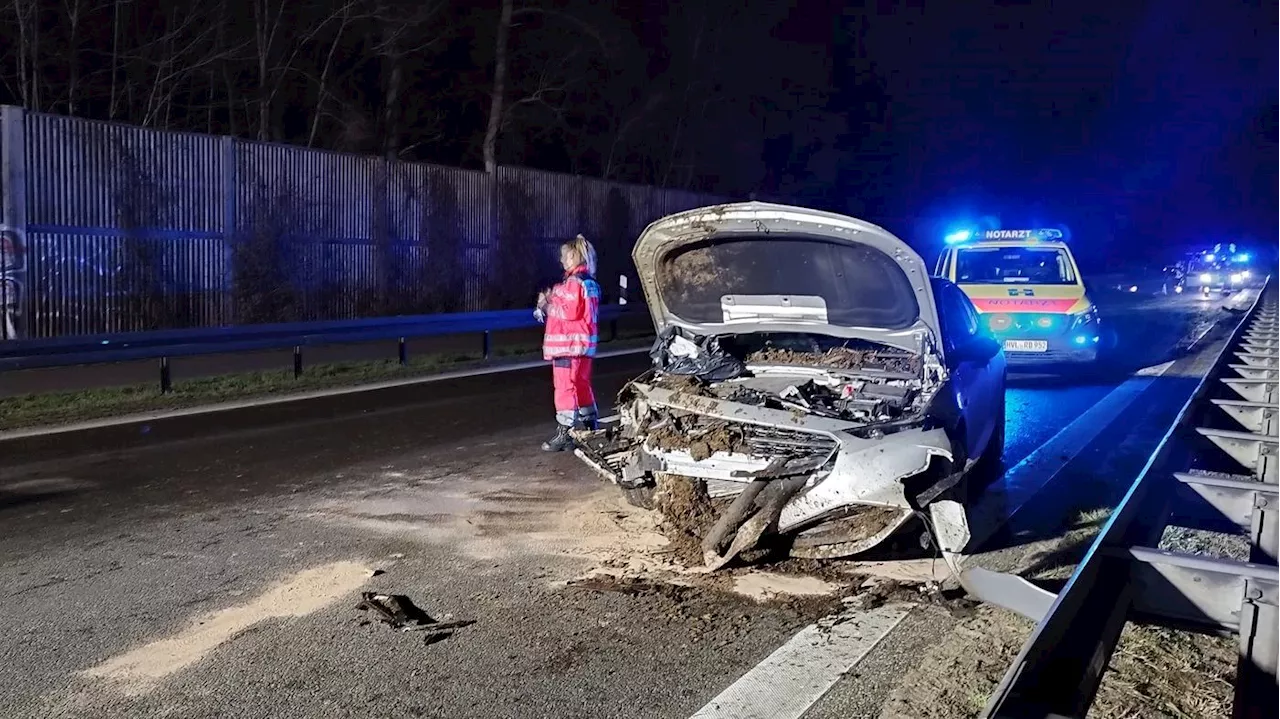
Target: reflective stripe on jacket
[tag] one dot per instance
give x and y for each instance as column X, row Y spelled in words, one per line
column 573, row 310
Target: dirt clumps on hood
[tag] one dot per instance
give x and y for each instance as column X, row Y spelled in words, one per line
column 683, row 384
column 838, row 358
column 701, row 438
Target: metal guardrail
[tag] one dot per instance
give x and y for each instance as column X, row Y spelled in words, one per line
column 166, row 344
column 1125, row 578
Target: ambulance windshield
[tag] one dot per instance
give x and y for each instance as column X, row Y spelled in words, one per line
column 1008, row 265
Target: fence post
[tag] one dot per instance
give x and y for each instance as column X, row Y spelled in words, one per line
column 13, row 219
column 227, row 148
column 166, row 378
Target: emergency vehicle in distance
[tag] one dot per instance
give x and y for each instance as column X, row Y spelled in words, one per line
column 1028, row 290
column 1219, row 271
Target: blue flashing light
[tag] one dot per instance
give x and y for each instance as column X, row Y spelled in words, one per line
column 1081, row 339
column 1210, row 257
column 958, row 236
column 1242, row 257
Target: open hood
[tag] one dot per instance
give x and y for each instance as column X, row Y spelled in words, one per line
column 759, row 267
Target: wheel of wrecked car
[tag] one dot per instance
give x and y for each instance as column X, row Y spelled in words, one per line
column 989, row 467
column 641, row 497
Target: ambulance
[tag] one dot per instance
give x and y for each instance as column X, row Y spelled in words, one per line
column 1027, row 287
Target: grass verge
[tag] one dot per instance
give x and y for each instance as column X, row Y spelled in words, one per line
column 1153, row 673
column 54, row 408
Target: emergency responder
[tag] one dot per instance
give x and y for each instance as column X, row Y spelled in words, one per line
column 570, row 310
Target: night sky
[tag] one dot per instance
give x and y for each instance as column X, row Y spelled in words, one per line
column 1144, row 127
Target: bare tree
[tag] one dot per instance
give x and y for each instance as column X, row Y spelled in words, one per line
column 73, row 9
column 498, row 93
column 553, row 78
column 26, row 17
column 406, row 30
column 322, row 82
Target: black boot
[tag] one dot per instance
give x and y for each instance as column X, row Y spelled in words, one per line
column 561, row 442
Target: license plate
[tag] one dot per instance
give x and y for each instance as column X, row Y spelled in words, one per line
column 1026, row 346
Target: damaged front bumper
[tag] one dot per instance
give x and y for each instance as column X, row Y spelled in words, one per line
column 813, row 478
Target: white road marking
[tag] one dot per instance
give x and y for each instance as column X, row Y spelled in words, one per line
column 792, row 679
column 282, row 399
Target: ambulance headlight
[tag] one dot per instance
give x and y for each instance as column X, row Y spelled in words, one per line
column 1206, row 277
column 1085, row 319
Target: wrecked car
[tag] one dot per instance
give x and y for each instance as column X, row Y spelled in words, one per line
column 810, row 375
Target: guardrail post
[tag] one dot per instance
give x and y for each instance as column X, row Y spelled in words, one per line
column 488, row 344
column 297, row 361
column 403, row 353
column 166, row 379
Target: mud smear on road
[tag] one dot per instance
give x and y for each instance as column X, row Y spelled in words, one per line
column 498, row 514
column 717, row 599
column 138, row 671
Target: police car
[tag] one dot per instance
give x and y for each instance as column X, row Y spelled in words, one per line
column 1027, row 286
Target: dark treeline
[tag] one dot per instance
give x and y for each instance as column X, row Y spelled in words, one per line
column 701, row 95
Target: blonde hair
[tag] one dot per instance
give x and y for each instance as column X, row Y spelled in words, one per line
column 583, row 251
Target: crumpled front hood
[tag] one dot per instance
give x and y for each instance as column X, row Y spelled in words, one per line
column 777, row 268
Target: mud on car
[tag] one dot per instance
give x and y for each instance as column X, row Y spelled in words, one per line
column 811, row 378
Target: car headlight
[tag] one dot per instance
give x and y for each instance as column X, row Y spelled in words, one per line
column 1236, row 278
column 1206, row 277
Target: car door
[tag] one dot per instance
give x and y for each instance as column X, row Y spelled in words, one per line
column 976, row 365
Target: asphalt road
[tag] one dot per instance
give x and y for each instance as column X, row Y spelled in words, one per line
column 210, row 566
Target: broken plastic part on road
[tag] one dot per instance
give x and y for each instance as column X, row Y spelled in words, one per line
column 399, row 612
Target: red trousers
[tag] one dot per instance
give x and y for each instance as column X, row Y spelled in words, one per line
column 571, row 378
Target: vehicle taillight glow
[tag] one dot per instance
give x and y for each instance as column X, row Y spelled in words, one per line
column 1044, row 322
column 1000, row 322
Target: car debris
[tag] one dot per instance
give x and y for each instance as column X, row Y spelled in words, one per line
column 805, row 376
column 399, row 612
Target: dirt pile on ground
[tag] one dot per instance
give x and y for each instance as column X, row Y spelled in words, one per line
column 687, row 515
column 838, row 358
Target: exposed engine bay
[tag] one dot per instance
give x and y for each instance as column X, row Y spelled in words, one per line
column 822, row 441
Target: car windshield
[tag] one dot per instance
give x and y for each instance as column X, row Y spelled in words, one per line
column 860, row 286
column 999, row 265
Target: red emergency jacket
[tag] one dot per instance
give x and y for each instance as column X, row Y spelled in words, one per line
column 573, row 311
